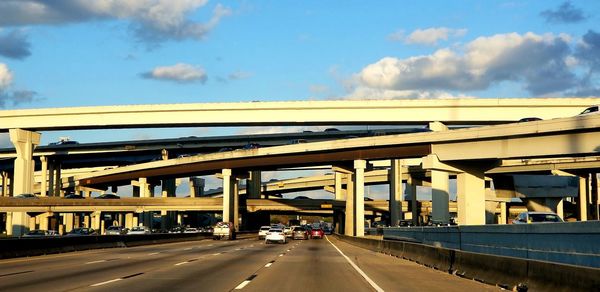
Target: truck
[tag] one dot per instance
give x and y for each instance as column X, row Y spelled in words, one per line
column 224, row 230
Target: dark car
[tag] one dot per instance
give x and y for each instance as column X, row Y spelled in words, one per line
column 530, row 119
column 73, row 196
column 107, row 196
column 317, row 233
column 26, row 196
column 83, row 231
column 251, row 146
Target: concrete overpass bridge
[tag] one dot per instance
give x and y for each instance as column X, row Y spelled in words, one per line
column 468, row 152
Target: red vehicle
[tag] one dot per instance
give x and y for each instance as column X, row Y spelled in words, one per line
column 317, row 233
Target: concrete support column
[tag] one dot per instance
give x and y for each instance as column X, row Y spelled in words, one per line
column 58, row 180
column 583, row 199
column 196, row 186
column 9, row 226
column 44, row 220
column 129, row 220
column 50, row 177
column 349, row 218
column 168, row 188
column 470, row 198
column 136, row 219
column 96, row 219
column 338, row 186
column 179, row 218
column 560, row 208
column 254, row 184
column 144, row 188
column 68, row 221
column 396, row 192
column 86, row 221
column 24, row 142
column 503, row 213
column 44, row 176
column 230, row 198
column 164, row 220
column 439, row 196
column 595, row 197
column 411, row 190
column 359, row 195
column 5, row 184
column 19, row 223
column 32, row 222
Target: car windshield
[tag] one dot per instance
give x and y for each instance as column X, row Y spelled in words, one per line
column 275, row 230
column 265, row 228
column 36, row 232
column 544, row 218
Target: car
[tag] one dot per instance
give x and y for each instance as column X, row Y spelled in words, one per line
column 590, row 110
column 275, row 235
column 298, row 141
column 191, row 230
column 138, row 230
column 301, row 198
column 317, row 233
column 331, row 130
column 83, row 231
column 40, row 233
column 26, row 196
column 327, row 231
column 262, row 232
column 115, row 230
column 537, row 217
column 64, row 142
column 224, row 230
column 287, row 231
column 73, row 196
column 251, row 146
column 107, row 196
column 529, row 119
column 299, row 232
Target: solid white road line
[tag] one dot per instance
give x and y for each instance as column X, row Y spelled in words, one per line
column 94, row 262
column 242, row 285
column 154, row 253
column 373, row 284
column 182, row 263
column 106, row 282
column 189, row 248
column 268, row 265
column 216, row 254
column 281, row 255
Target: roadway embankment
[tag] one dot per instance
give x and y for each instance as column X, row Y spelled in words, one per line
column 24, row 247
column 502, row 271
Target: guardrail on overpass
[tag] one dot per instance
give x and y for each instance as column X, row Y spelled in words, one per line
column 575, row 243
column 506, row 272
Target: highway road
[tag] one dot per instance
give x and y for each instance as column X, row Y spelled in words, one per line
column 248, row 264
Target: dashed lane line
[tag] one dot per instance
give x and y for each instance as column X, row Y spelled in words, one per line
column 371, row 282
column 95, row 262
column 245, row 282
column 106, row 282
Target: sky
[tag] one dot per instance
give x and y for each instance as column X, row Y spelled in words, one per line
column 67, row 53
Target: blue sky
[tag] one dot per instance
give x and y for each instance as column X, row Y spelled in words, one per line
column 67, row 53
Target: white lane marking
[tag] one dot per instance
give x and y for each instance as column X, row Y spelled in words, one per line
column 242, row 285
column 373, row 284
column 268, row 265
column 182, row 263
column 154, row 253
column 189, row 248
column 281, row 255
column 95, row 262
column 105, row 282
column 216, row 254
column 210, row 244
column 288, row 250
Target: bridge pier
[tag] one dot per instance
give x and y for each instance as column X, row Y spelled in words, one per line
column 44, row 176
column 470, row 198
column 230, row 198
column 254, row 185
column 24, row 142
column 411, row 191
column 17, row 223
column 583, row 201
column 355, row 200
column 6, row 183
column 439, row 196
column 396, row 192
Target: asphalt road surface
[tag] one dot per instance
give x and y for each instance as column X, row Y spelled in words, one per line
column 207, row 265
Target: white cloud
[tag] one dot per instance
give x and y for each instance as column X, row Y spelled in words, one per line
column 428, row 36
column 538, row 61
column 180, row 72
column 152, row 21
column 6, row 76
column 237, row 75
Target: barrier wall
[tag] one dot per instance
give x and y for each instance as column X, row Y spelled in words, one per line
column 575, row 243
column 502, row 271
column 22, row 247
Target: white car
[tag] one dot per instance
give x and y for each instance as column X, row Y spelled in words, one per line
column 139, row 230
column 287, row 231
column 537, row 217
column 262, row 232
column 275, row 235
